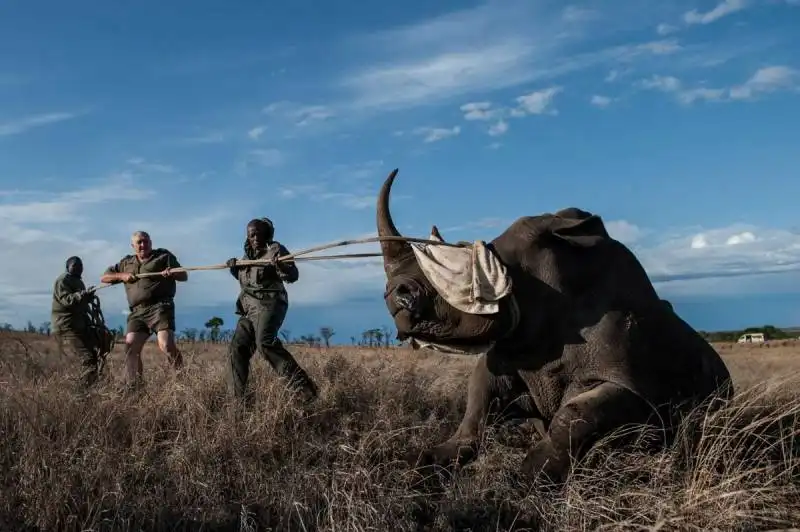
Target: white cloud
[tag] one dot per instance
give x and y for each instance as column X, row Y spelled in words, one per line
column 435, row 134
column 765, row 80
column 577, row 14
column 624, row 231
column 21, row 125
column 724, row 8
column 256, row 132
column 480, row 111
column 319, row 192
column 263, row 157
column 206, row 137
column 736, row 251
column 435, row 60
column 448, row 74
column 601, row 101
column 537, row 102
column 498, row 128
column 665, row 29
column 299, row 115
column 350, row 172
column 142, row 165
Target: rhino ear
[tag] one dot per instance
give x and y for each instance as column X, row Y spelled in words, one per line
column 435, row 234
column 579, row 228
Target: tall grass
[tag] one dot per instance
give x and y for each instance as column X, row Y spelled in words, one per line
column 185, row 456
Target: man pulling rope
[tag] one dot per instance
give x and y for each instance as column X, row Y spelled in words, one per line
column 78, row 323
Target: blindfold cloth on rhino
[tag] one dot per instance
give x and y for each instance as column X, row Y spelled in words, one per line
column 472, row 279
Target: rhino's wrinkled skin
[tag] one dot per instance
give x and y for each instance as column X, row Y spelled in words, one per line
column 591, row 348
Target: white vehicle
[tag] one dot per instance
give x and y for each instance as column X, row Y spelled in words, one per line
column 751, row 337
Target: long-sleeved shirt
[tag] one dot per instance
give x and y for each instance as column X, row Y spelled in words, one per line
column 69, row 312
column 259, row 283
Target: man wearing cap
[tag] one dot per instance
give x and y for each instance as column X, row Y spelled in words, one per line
column 261, row 306
column 70, row 320
column 150, row 299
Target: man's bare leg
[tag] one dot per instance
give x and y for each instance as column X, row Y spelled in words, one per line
column 167, row 345
column 134, row 342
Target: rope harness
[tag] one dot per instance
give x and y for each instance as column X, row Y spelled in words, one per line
column 101, row 340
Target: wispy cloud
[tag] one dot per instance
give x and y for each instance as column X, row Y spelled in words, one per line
column 601, row 101
column 140, row 164
column 436, row 60
column 665, row 29
column 435, row 134
column 723, row 9
column 298, row 114
column 498, row 128
column 256, row 132
column 763, row 81
column 21, row 125
column 539, row 102
column 70, row 206
column 354, row 172
column 209, row 137
column 320, row 192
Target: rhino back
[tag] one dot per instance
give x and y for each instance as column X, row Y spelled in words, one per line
column 591, row 314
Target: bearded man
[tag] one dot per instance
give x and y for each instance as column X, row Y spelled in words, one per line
column 70, row 320
column 150, row 300
column 261, row 306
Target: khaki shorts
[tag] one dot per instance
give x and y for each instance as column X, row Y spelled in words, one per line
column 150, row 319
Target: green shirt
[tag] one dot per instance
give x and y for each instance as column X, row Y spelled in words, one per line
column 148, row 290
column 262, row 283
column 70, row 308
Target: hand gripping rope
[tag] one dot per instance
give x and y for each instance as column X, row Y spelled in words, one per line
column 300, row 255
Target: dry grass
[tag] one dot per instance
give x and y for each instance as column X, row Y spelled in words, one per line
column 184, row 457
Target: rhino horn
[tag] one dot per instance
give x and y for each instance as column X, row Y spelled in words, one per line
column 393, row 250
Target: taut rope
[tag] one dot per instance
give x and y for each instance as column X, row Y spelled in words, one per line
column 300, row 255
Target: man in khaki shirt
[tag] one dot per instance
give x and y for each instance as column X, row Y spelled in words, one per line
column 150, row 299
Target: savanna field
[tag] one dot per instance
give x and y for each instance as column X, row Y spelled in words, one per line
column 184, row 456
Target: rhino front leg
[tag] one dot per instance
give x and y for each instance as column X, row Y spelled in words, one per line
column 579, row 424
column 462, row 447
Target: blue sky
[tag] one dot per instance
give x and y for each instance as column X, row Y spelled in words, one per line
column 672, row 120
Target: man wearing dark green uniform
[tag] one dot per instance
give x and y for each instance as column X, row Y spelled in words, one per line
column 70, row 320
column 150, row 299
column 262, row 306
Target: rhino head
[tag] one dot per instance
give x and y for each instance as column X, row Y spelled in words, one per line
column 418, row 311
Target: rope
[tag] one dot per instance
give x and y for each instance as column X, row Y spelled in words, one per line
column 299, row 255
column 101, row 339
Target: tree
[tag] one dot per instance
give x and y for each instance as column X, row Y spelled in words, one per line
column 213, row 326
column 387, row 335
column 190, row 334
column 44, row 328
column 30, row 327
column 326, row 333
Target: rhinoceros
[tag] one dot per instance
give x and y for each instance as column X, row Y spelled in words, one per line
column 581, row 343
